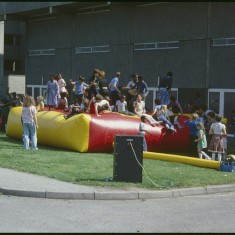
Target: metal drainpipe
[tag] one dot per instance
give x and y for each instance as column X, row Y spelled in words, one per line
column 73, row 45
column 208, row 49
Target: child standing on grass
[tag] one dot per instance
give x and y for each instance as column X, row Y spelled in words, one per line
column 193, row 133
column 142, row 130
column 30, row 123
column 218, row 131
column 201, row 141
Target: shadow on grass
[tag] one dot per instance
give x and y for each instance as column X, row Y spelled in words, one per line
column 19, row 143
column 9, row 140
column 13, row 147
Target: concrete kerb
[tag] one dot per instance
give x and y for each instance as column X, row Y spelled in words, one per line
column 22, row 193
column 71, row 196
column 122, row 195
column 220, row 188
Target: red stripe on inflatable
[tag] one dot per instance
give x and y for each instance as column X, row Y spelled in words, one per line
column 103, row 130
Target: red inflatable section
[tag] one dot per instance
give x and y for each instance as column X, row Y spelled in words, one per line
column 104, row 128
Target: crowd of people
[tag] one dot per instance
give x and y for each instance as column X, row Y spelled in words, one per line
column 97, row 95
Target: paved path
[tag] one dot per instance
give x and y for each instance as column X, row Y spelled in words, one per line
column 29, row 185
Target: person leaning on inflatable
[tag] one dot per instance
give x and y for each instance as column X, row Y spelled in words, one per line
column 101, row 104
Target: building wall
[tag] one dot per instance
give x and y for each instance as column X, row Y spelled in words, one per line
column 196, row 64
column 12, row 7
column 1, row 57
column 222, row 58
column 121, row 28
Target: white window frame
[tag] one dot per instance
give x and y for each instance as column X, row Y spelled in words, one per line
column 156, row 46
column 226, row 42
column 221, row 97
column 41, row 87
column 92, row 49
column 92, row 10
column 42, row 52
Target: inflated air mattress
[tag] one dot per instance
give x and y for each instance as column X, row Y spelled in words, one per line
column 89, row 133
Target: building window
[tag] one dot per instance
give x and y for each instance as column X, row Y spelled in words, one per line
column 93, row 49
column 156, row 46
column 223, row 42
column 11, row 66
column 13, row 40
column 41, row 52
column 91, row 10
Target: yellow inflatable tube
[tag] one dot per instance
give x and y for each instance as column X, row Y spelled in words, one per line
column 182, row 159
column 224, row 120
column 52, row 126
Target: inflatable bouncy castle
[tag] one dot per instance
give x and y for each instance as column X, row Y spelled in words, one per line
column 89, row 133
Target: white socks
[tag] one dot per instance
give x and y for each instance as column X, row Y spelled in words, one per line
column 219, row 157
column 203, row 154
column 213, row 156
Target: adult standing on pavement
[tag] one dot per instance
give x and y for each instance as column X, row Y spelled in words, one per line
column 30, row 123
column 165, row 84
column 114, row 90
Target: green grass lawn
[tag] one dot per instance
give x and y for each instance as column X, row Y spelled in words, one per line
column 96, row 169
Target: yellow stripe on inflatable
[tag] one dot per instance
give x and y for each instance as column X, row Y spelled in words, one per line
column 14, row 126
column 224, row 120
column 182, row 159
column 54, row 129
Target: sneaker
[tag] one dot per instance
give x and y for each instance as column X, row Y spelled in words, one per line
column 34, row 148
column 167, row 126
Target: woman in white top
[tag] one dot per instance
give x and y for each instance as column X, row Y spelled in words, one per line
column 218, row 131
column 139, row 109
column 30, row 123
column 62, row 84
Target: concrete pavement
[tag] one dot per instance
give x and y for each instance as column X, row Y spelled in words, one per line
column 29, row 185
